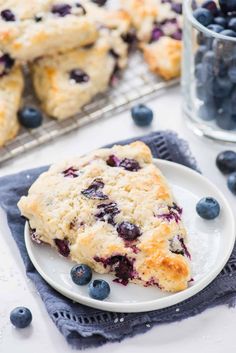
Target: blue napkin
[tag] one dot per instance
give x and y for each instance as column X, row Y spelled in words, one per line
column 85, row 327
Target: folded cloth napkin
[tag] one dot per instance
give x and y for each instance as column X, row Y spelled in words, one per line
column 85, row 327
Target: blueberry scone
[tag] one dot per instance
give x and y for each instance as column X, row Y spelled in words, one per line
column 158, row 26
column 65, row 83
column 114, row 211
column 30, row 29
column 11, row 89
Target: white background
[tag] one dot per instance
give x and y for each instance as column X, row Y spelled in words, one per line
column 212, row 331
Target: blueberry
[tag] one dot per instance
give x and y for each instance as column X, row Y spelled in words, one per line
column 226, row 162
column 8, row 15
column 198, row 73
column 70, row 172
column 221, row 21
column 107, row 212
column 232, row 73
column 232, row 24
column 7, row 63
column 177, row 35
column 231, row 182
column 225, row 121
column 215, row 28
column 207, row 111
column 30, row 117
column 130, row 164
column 177, row 7
column 203, row 16
column 222, row 87
column 61, row 9
column 227, row 5
column 63, row 246
column 128, row 231
column 202, row 49
column 94, row 191
column 156, row 34
column 99, row 289
column 99, row 2
column 211, row 6
column 208, row 208
column 79, row 76
column 228, row 33
column 113, row 161
column 21, row 317
column 142, row 115
column 81, row 274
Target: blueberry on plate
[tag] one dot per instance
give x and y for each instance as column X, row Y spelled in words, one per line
column 232, row 73
column 204, row 16
column 226, row 162
column 21, row 317
column 81, row 274
column 30, row 117
column 208, row 208
column 231, row 182
column 142, row 115
column 99, row 289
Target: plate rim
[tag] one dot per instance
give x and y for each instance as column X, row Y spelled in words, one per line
column 159, row 303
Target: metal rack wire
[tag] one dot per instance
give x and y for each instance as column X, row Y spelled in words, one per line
column 136, row 84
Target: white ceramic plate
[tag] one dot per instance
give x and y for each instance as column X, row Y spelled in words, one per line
column 210, row 243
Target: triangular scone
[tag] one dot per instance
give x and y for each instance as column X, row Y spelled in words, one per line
column 11, row 89
column 114, row 211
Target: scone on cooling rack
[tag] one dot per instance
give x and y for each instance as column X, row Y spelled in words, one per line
column 11, row 88
column 114, row 211
column 159, row 31
column 33, row 28
column 64, row 83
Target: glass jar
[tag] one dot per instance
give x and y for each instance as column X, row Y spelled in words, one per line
column 208, row 79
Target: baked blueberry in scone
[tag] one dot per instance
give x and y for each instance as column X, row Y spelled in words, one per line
column 64, row 83
column 33, row 28
column 159, row 30
column 114, row 211
column 11, row 89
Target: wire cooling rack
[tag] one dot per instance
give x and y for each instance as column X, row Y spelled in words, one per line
column 136, row 84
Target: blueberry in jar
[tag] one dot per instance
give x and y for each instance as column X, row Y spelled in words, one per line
column 211, row 6
column 215, row 28
column 220, row 21
column 222, row 87
column 21, row 317
column 207, row 111
column 231, row 183
column 208, row 208
column 226, row 162
column 225, row 121
column 203, row 16
column 202, row 49
column 227, row 5
column 228, row 33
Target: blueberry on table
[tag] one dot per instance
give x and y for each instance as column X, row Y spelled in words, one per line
column 203, row 16
column 208, row 208
column 30, row 117
column 81, row 274
column 231, row 182
column 142, row 115
column 20, row 317
column 99, row 289
column 226, row 162
column 215, row 28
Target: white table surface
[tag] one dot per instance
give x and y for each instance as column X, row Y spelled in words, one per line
column 212, row 331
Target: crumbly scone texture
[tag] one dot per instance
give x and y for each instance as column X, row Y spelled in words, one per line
column 61, row 96
column 11, row 88
column 27, row 38
column 66, row 212
column 164, row 57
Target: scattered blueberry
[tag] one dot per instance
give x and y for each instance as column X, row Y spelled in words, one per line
column 226, row 162
column 81, row 274
column 79, row 76
column 8, row 15
column 231, row 182
column 30, row 117
column 142, row 115
column 61, row 9
column 99, row 289
column 208, row 208
column 63, row 246
column 94, row 191
column 203, row 16
column 21, row 317
column 128, row 231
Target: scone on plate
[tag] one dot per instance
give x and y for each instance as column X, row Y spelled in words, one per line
column 113, row 210
column 158, row 26
column 33, row 28
column 11, row 88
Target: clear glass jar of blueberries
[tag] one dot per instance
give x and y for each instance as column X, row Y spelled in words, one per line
column 209, row 68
